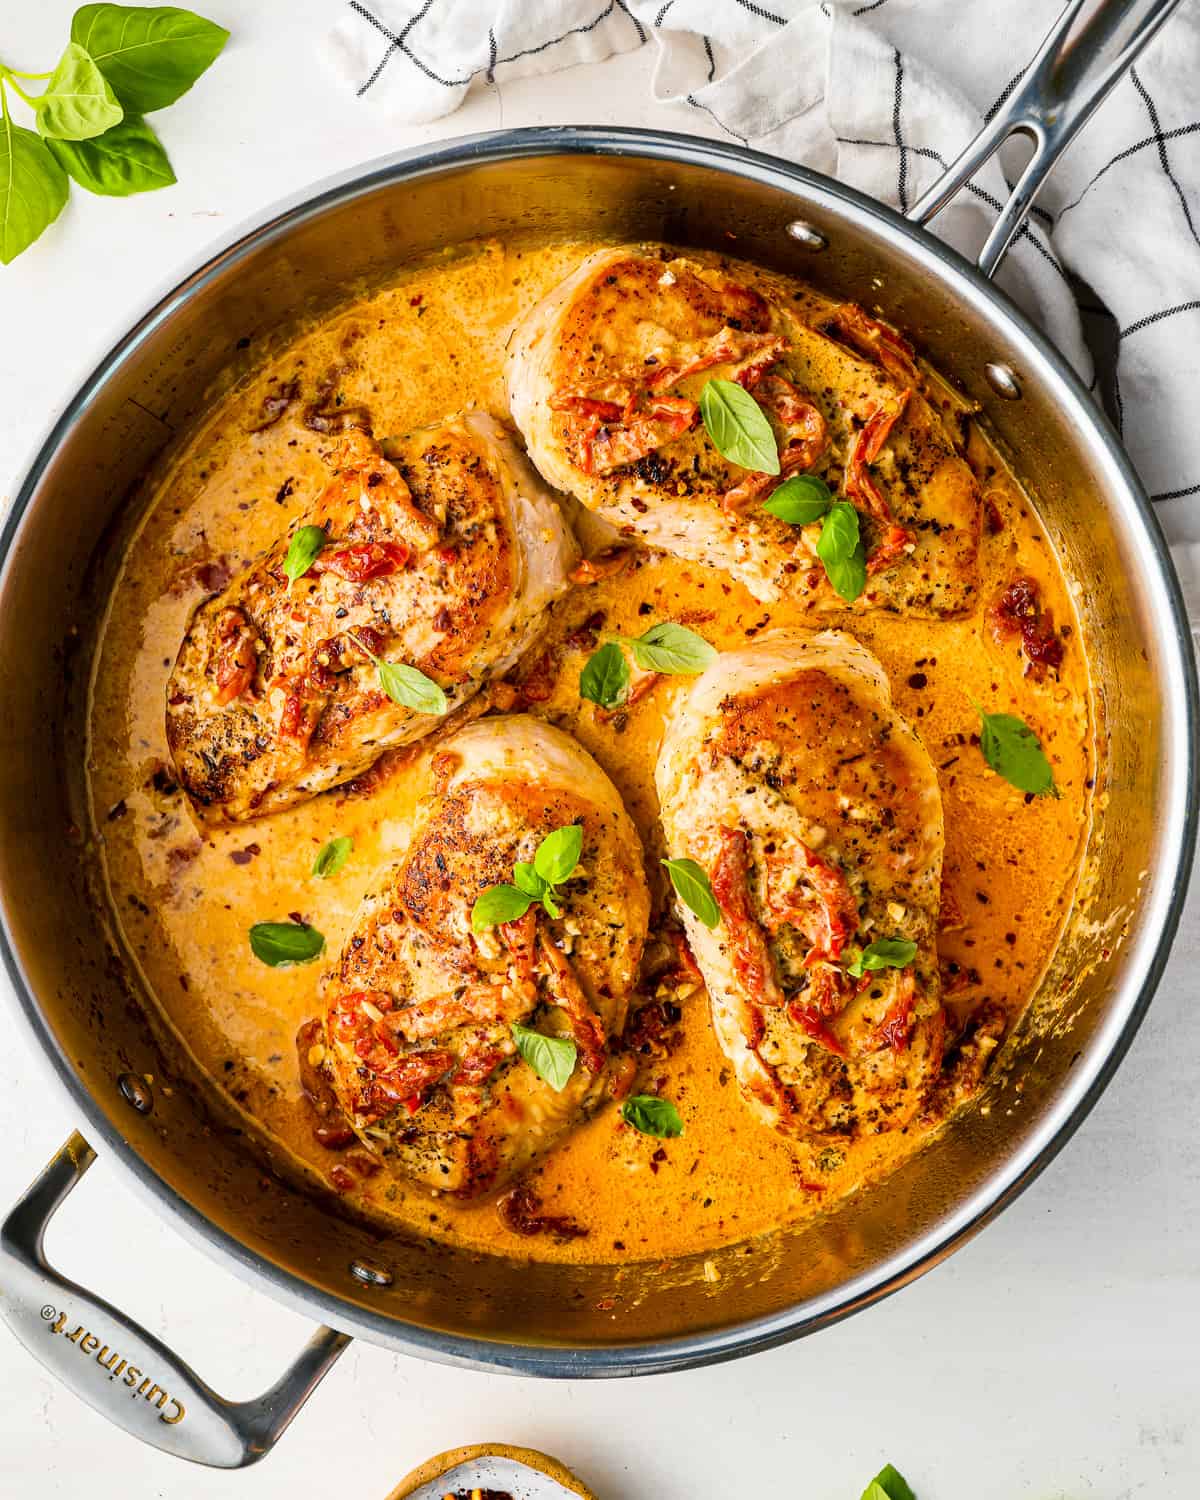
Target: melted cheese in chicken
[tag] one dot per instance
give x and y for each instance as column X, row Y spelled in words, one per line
column 183, row 896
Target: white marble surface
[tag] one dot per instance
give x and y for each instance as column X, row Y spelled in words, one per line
column 1054, row 1356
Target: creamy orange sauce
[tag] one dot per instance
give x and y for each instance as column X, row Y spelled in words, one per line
column 427, row 346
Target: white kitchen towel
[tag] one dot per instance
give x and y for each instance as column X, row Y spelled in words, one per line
column 882, row 94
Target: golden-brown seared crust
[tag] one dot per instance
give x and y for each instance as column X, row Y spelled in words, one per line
column 815, row 811
column 275, row 696
column 420, row 1009
column 604, row 380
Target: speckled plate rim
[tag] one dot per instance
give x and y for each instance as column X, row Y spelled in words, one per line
column 443, row 1464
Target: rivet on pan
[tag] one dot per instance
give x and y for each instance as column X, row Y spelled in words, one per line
column 370, row 1274
column 1003, row 380
column 804, row 234
column 137, row 1092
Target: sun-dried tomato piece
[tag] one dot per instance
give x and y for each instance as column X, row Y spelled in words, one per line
column 1019, row 611
column 752, row 960
column 520, row 1211
column 364, row 560
column 881, row 344
column 237, row 658
column 813, row 1025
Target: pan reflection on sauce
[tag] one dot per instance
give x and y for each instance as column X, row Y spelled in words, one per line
column 428, row 346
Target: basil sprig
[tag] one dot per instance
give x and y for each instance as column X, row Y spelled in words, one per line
column 121, row 62
column 332, row 857
column 800, row 500
column 281, row 944
column 883, row 953
column 841, row 551
column 405, row 685
column 652, row 1116
column 671, row 649
column 1014, row 751
column 738, row 426
column 410, row 687
column 805, row 498
column 78, row 101
column 33, row 187
column 605, row 676
column 694, row 889
column 303, row 550
column 888, row 1484
column 128, row 158
column 151, row 54
column 552, row 1058
column 554, row 861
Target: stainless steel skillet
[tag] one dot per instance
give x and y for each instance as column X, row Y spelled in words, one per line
column 82, row 1000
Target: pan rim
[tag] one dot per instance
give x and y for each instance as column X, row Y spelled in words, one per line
column 1147, row 956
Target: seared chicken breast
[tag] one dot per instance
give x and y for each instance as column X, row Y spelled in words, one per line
column 814, row 810
column 604, row 379
column 442, row 556
column 420, row 1012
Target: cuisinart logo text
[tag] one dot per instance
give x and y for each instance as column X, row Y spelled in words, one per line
column 169, row 1409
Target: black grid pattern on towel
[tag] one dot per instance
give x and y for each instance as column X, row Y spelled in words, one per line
column 398, row 41
column 1159, row 139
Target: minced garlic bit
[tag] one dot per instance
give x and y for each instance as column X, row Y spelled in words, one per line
column 667, row 278
column 371, row 1010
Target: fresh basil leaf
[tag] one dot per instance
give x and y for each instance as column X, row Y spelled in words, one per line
column 552, row 1058
column 694, row 889
column 303, row 550
column 497, row 905
column 884, row 953
column 738, row 426
column 78, row 101
column 409, row 687
column 280, row 944
column 840, row 549
column 558, row 853
column 1012, row 749
column 674, row 649
column 149, row 54
column 652, row 1116
column 888, row 1485
column 550, row 902
column 799, row 500
column 127, row 158
column 527, row 879
column 332, row 857
column 33, row 188
column 605, row 677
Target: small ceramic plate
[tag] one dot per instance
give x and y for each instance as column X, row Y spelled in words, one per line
column 522, row 1473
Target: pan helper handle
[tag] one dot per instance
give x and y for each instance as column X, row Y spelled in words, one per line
column 1089, row 48
column 119, row 1368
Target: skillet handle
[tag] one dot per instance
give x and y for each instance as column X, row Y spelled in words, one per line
column 1070, row 76
column 119, row 1368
